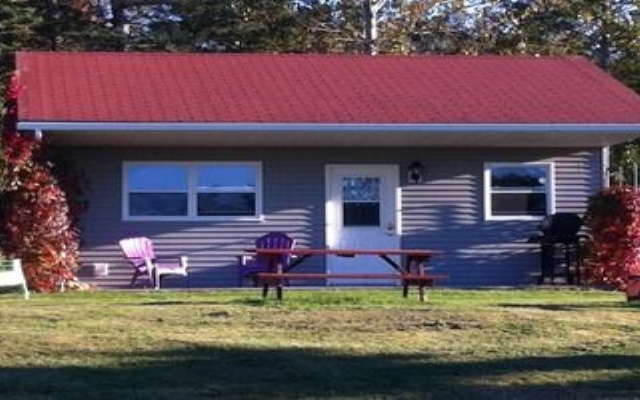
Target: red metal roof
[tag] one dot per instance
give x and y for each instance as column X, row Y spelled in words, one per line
column 309, row 88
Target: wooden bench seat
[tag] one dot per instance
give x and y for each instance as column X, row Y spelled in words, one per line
column 275, row 279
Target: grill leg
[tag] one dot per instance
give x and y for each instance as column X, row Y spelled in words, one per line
column 547, row 262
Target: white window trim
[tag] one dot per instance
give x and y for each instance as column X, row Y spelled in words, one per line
column 550, row 187
column 191, row 165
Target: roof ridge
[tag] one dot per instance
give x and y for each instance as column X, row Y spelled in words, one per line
column 305, row 55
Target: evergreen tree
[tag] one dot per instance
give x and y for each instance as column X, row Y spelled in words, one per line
column 232, row 26
column 49, row 25
column 18, row 20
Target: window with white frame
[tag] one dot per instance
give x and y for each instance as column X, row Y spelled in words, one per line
column 518, row 190
column 191, row 190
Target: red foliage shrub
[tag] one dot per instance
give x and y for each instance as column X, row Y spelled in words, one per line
column 613, row 219
column 36, row 225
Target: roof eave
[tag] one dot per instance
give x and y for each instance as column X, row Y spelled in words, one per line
column 334, row 135
column 329, row 127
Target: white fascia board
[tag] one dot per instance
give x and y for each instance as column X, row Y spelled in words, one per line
column 311, row 127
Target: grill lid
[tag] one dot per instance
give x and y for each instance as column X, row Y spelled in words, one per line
column 561, row 225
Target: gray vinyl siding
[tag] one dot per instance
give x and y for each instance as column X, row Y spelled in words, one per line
column 448, row 213
column 445, row 213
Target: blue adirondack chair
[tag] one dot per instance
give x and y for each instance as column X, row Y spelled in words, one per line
column 139, row 252
column 250, row 264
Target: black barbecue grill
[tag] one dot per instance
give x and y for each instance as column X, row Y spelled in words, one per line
column 560, row 247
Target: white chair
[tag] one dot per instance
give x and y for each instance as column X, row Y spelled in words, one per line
column 11, row 275
column 139, row 252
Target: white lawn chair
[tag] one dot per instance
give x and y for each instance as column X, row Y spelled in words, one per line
column 11, row 275
column 139, row 251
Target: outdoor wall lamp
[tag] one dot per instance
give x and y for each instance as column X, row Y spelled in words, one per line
column 415, row 172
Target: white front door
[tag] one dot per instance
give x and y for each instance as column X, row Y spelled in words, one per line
column 362, row 213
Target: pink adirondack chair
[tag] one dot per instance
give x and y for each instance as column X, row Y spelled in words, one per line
column 139, row 252
column 251, row 264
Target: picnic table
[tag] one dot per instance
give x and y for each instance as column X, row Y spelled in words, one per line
column 412, row 272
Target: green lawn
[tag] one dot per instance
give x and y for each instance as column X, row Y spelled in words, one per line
column 356, row 344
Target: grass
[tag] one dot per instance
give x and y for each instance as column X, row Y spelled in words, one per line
column 347, row 344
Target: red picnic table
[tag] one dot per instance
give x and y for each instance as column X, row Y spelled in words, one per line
column 412, row 272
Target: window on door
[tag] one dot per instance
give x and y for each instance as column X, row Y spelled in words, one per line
column 170, row 191
column 360, row 201
column 518, row 190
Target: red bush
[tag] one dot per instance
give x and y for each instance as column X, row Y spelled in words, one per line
column 613, row 219
column 36, row 224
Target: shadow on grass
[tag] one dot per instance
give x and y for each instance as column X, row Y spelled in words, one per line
column 574, row 307
column 233, row 373
column 332, row 298
column 245, row 302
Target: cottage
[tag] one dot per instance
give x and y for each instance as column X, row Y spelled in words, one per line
column 205, row 152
